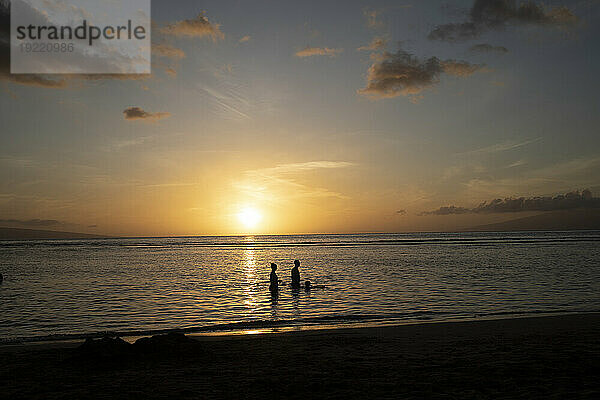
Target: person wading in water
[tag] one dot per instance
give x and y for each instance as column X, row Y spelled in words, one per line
column 296, row 275
column 273, row 279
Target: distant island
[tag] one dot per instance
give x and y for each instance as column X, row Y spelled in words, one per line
column 35, row 234
column 562, row 220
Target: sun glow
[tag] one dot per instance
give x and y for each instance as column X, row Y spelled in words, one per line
column 249, row 217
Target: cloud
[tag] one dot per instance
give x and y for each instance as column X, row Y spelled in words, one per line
column 377, row 43
column 450, row 210
column 497, row 14
column 31, row 223
column 245, row 39
column 166, row 50
column 561, row 16
column 173, row 54
column 229, row 102
column 488, row 48
column 568, row 201
column 401, row 212
column 402, row 73
column 33, row 80
column 136, row 113
column 172, row 72
column 372, row 19
column 499, row 147
column 455, row 32
column 460, row 68
column 281, row 181
column 318, row 51
column 517, row 164
column 303, row 167
column 197, row 27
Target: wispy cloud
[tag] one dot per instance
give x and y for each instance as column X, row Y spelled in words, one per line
column 318, row 51
column 517, row 164
column 372, row 18
column 121, row 144
column 229, row 102
column 570, row 167
column 245, row 39
column 281, row 182
column 169, row 58
column 167, row 50
column 378, row 43
column 302, row 167
column 172, row 72
column 195, row 27
column 578, row 172
column 500, row 147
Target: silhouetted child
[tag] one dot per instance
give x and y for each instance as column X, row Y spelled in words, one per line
column 296, row 275
column 307, row 285
column 274, row 285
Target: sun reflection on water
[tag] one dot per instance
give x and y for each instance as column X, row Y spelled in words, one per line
column 250, row 272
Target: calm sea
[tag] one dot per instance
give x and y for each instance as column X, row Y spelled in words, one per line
column 57, row 289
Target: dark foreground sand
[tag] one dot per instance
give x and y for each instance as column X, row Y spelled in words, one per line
column 546, row 357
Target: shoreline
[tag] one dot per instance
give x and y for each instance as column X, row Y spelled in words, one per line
column 536, row 357
column 271, row 327
column 250, row 331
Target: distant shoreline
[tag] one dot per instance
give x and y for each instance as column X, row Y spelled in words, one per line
column 7, row 233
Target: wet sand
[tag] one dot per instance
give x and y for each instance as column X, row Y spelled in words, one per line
column 543, row 357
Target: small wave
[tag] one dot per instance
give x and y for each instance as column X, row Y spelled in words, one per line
column 259, row 242
column 331, row 321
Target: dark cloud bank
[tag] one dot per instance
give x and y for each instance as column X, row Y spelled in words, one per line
column 569, row 201
column 488, row 15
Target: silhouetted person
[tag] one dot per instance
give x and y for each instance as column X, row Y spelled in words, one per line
column 307, row 285
column 296, row 275
column 274, row 280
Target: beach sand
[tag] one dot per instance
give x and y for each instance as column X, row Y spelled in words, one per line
column 542, row 357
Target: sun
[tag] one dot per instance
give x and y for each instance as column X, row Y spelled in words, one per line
column 249, row 217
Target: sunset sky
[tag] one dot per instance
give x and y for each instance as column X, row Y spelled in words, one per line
column 299, row 117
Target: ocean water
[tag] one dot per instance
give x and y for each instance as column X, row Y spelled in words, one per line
column 57, row 289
